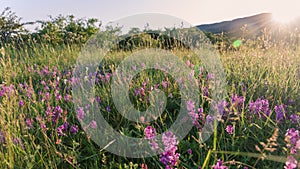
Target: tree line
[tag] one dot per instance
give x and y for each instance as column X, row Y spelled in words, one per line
column 70, row 30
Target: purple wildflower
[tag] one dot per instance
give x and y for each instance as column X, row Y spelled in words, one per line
column 139, row 91
column 67, row 97
column 229, row 129
column 43, row 126
column 280, row 112
column 192, row 112
column 169, row 157
column 291, row 163
column 291, row 102
column 295, row 118
column 47, row 96
column 80, row 113
column 45, row 71
column 57, row 96
column 93, row 124
column 222, row 106
column 29, row 123
column 164, row 84
column 21, row 103
column 210, row 76
column 292, row 138
column 190, row 104
column 205, row 91
column 209, row 119
column 219, row 165
column 237, row 101
column 194, row 116
column 62, row 129
column 98, row 99
column 150, row 134
column 74, row 129
column 201, row 114
column 260, row 106
column 57, row 113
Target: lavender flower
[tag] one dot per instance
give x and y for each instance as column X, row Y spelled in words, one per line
column 260, row 106
column 190, row 104
column 62, row 129
column 222, row 106
column 67, row 97
column 194, row 116
column 205, row 91
column 291, row 102
column 93, row 124
column 80, row 113
column 150, row 134
column 43, row 126
column 291, row 163
column 45, row 71
column 295, row 118
column 237, row 101
column 98, row 99
column 57, row 96
column 29, row 123
column 21, row 103
column 192, row 112
column 219, row 165
column 164, row 84
column 280, row 112
column 169, row 157
column 210, row 76
column 74, row 129
column 57, row 113
column 229, row 129
column 47, row 96
column 209, row 119
column 292, row 138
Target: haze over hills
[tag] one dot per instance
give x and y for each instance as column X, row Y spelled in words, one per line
column 254, row 24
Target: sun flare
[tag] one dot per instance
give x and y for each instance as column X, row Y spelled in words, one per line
column 283, row 18
column 285, row 14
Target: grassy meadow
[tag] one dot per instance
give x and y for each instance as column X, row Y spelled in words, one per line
column 39, row 125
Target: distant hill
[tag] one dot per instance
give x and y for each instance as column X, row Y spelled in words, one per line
column 255, row 25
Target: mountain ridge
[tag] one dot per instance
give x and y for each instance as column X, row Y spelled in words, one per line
column 254, row 25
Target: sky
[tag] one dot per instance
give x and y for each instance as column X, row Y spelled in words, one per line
column 194, row 12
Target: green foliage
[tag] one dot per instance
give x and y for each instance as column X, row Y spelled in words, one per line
column 221, row 41
column 10, row 26
column 66, row 30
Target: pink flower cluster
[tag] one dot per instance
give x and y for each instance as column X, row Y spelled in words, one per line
column 292, row 139
column 169, row 157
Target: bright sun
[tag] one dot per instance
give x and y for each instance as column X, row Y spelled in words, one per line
column 283, row 18
column 286, row 14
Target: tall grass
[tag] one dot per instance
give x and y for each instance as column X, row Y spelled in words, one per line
column 271, row 74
